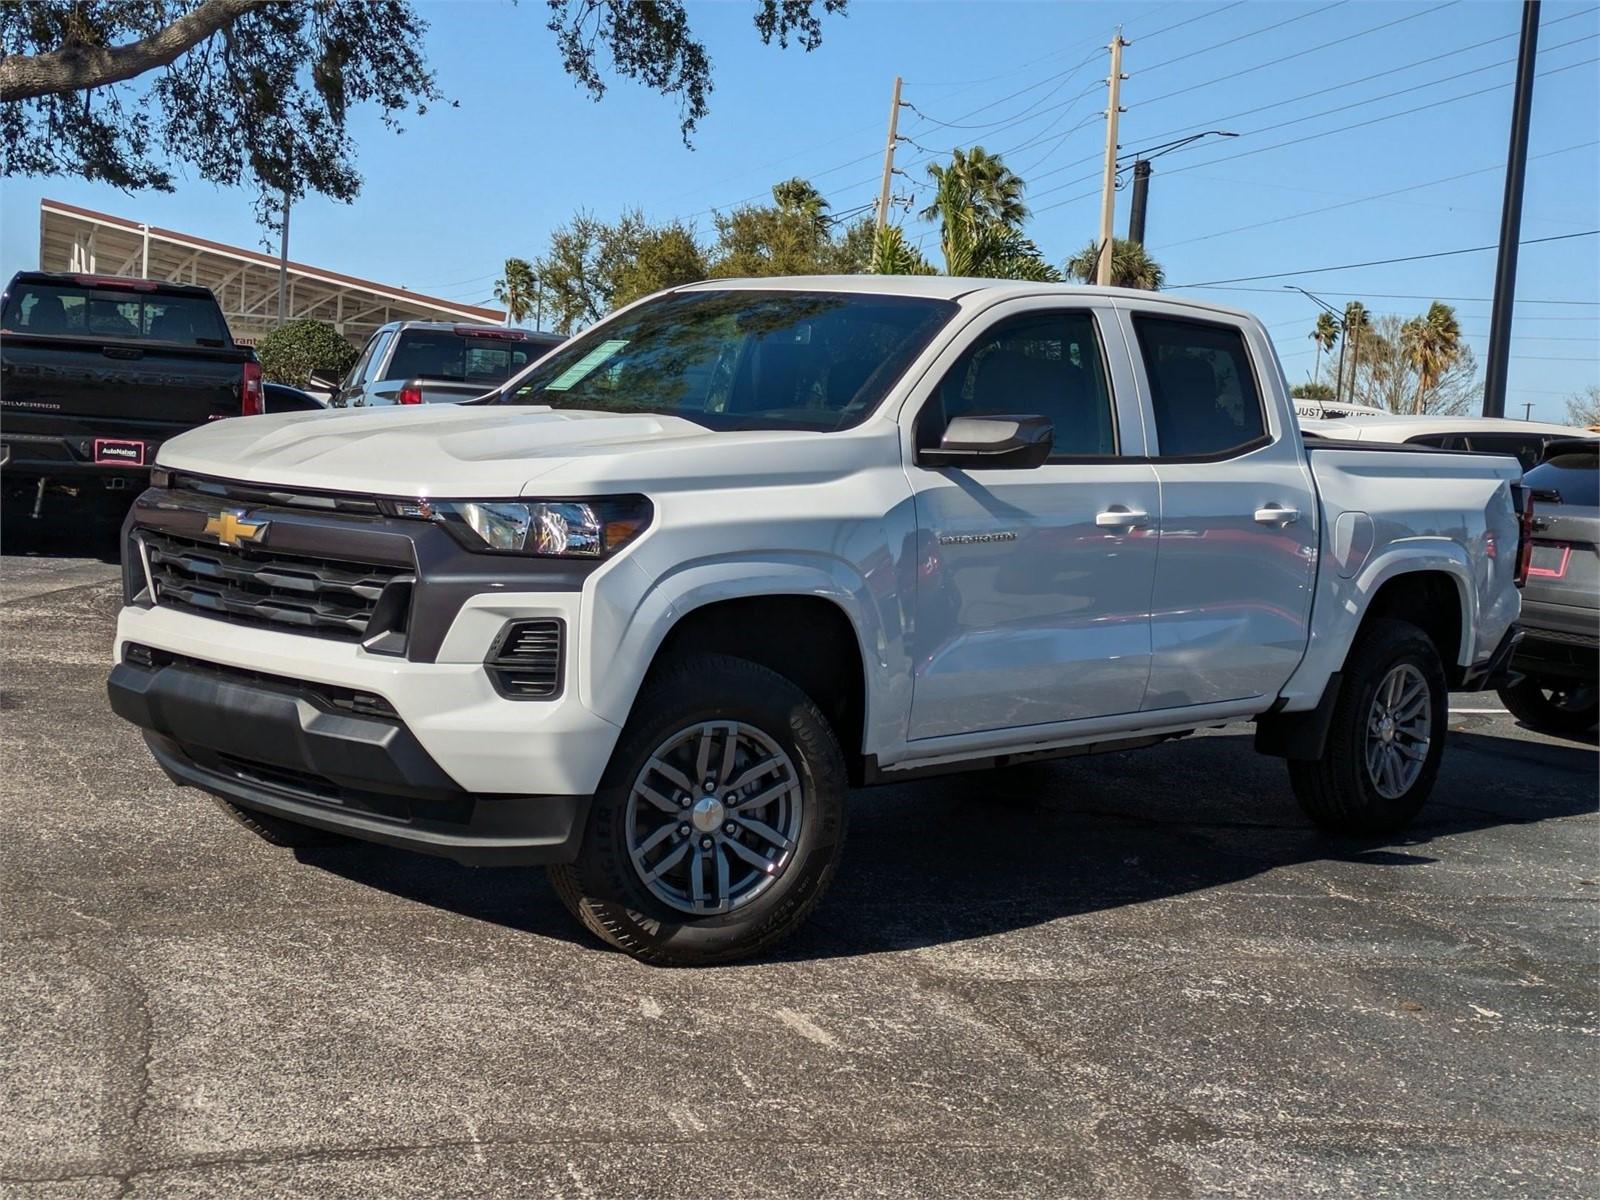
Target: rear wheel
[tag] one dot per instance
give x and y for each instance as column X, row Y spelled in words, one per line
column 719, row 822
column 1386, row 736
column 1565, row 707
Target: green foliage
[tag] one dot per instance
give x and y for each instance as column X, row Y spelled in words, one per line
column 893, row 255
column 515, row 289
column 291, row 352
column 593, row 267
column 1383, row 371
column 1431, row 344
column 1311, row 390
column 257, row 92
column 977, row 204
column 1131, row 265
column 650, row 41
column 794, row 235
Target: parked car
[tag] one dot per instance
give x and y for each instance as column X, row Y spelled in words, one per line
column 281, row 398
column 1526, row 440
column 433, row 362
column 646, row 613
column 96, row 372
column 1559, row 658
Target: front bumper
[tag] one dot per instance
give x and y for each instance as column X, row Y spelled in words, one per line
column 289, row 749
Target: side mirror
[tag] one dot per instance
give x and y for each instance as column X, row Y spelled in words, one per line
column 992, row 443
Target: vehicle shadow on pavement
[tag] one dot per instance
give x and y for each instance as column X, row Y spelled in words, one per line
column 66, row 529
column 967, row 856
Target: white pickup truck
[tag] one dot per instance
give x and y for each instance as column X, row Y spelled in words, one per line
column 647, row 613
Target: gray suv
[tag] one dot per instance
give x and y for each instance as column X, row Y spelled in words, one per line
column 435, row 362
column 1559, row 657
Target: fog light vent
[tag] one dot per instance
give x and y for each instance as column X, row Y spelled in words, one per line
column 527, row 659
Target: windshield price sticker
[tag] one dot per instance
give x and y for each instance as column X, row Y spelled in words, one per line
column 585, row 366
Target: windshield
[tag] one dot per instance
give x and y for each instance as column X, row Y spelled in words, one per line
column 83, row 311
column 741, row 359
column 460, row 357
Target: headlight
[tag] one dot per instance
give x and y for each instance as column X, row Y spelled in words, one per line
column 557, row 528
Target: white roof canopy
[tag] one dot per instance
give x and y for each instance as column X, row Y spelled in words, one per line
column 79, row 240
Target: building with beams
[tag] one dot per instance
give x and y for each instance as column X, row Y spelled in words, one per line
column 81, row 241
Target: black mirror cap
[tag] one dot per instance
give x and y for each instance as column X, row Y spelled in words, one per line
column 992, row 442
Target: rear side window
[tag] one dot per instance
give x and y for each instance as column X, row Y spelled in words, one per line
column 462, row 358
column 1525, row 448
column 1044, row 364
column 109, row 313
column 1202, row 388
column 1567, row 479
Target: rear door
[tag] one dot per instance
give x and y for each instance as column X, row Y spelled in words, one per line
column 1236, row 555
column 1563, row 588
column 1033, row 585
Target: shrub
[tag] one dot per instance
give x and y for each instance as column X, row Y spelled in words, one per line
column 291, row 352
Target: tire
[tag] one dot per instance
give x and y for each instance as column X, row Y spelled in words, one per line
column 1343, row 791
column 275, row 830
column 744, row 909
column 1566, row 708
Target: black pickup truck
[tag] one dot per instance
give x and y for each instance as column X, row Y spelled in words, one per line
column 96, row 372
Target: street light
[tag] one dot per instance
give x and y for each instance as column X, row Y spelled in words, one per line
column 1344, row 333
column 1141, row 178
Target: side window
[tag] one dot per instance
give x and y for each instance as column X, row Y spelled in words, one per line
column 1202, row 388
column 1045, row 364
column 368, row 366
column 1526, row 449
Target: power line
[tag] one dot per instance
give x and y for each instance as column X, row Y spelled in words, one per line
column 1167, row 62
column 1327, row 89
column 1145, row 37
column 1312, row 212
column 1383, row 262
column 1276, row 61
column 1328, row 291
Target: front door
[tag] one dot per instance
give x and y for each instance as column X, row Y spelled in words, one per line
column 1033, row 590
column 1236, row 559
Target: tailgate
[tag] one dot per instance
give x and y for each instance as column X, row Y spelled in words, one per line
column 118, row 388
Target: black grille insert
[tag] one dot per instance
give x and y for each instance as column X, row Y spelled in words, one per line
column 526, row 663
column 324, row 597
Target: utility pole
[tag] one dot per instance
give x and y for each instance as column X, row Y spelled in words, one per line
column 1108, row 187
column 283, row 263
column 1505, row 271
column 888, row 156
column 1527, row 410
column 1141, row 198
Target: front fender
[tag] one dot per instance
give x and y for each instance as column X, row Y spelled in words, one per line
column 627, row 626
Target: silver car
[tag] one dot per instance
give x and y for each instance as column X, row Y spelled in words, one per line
column 436, row 362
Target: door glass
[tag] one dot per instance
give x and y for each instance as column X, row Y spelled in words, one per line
column 1044, row 364
column 1202, row 388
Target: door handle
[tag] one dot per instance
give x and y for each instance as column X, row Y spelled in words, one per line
column 1121, row 518
column 1274, row 514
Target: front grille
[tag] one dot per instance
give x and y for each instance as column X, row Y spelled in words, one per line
column 327, row 696
column 526, row 661
column 320, row 596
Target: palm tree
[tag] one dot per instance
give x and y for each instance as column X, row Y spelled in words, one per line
column 1131, row 265
column 975, row 196
column 1432, row 344
column 1326, row 336
column 893, row 255
column 515, row 290
column 1357, row 321
column 799, row 198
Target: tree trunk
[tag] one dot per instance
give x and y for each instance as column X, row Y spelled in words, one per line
column 76, row 67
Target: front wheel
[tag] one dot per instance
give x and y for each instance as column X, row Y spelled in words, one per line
column 1564, row 707
column 1386, row 736
column 719, row 822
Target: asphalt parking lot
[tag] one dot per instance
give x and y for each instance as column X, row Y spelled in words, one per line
column 1137, row 975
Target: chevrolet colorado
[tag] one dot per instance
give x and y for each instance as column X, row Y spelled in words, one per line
column 648, row 611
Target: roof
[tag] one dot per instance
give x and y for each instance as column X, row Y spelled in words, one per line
column 81, row 240
column 950, row 287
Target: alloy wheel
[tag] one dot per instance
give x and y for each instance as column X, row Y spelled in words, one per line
column 1398, row 731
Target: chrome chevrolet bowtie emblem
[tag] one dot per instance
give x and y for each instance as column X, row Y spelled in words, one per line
column 231, row 528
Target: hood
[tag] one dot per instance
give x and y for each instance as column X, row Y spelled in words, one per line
column 500, row 450
column 442, row 450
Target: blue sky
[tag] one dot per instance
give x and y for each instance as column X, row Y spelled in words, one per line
column 446, row 201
